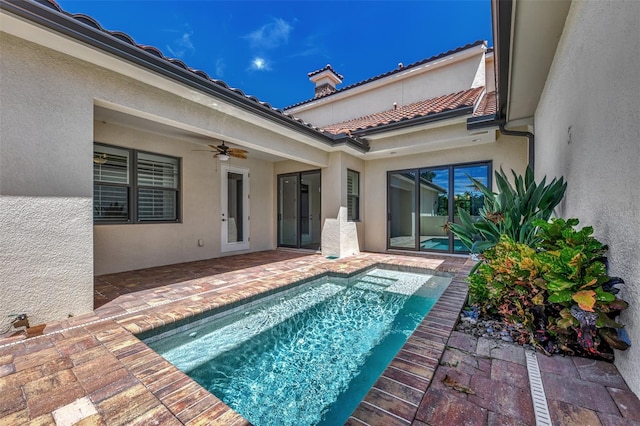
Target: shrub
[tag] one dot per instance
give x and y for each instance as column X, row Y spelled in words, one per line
column 560, row 295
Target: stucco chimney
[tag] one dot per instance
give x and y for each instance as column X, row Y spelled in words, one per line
column 326, row 79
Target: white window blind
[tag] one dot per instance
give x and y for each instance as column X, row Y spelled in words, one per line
column 157, row 179
column 111, row 184
column 132, row 186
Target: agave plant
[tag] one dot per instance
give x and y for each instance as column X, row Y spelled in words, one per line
column 512, row 211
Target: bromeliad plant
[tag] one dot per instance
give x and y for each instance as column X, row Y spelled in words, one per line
column 512, row 211
column 559, row 294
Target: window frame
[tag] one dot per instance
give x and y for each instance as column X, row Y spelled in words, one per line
column 450, row 201
column 133, row 193
column 357, row 217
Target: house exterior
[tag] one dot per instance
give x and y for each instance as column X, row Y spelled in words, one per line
column 106, row 165
column 569, row 71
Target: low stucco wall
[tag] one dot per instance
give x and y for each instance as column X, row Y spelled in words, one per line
column 588, row 130
column 43, row 257
column 507, row 152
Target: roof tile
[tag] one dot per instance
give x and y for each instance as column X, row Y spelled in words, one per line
column 487, row 105
column 465, row 98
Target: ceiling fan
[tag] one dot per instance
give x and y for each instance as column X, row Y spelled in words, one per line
column 100, row 158
column 223, row 152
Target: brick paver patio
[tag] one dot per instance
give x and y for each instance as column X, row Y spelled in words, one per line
column 93, row 370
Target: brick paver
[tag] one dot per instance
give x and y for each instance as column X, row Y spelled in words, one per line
column 93, row 369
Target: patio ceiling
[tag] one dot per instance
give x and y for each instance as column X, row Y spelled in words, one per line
column 176, row 131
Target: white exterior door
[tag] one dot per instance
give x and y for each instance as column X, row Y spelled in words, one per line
column 234, row 208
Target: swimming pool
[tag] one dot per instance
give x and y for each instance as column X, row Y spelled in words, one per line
column 443, row 244
column 308, row 356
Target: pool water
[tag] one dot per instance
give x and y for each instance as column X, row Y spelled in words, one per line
column 310, row 356
column 443, row 244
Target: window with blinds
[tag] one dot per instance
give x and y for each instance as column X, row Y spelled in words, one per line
column 134, row 187
column 157, row 178
column 353, row 195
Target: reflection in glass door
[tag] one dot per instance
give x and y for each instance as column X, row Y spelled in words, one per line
column 402, row 209
column 288, row 210
column 299, row 210
column 434, row 209
column 439, row 192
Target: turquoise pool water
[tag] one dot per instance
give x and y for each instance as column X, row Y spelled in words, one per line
column 443, row 244
column 310, row 356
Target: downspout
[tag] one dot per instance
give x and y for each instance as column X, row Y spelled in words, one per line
column 528, row 135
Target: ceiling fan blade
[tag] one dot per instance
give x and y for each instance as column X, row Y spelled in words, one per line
column 238, row 150
column 237, row 154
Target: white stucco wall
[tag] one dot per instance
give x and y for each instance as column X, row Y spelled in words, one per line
column 46, row 118
column 46, row 145
column 507, row 152
column 437, row 82
column 587, row 127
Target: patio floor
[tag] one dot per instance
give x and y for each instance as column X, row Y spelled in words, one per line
column 92, row 370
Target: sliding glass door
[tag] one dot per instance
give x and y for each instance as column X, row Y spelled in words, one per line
column 299, row 210
column 438, row 192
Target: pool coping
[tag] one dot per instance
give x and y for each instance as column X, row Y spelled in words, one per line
column 409, row 373
column 176, row 397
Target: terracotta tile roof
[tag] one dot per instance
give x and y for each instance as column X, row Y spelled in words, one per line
column 465, row 98
column 487, row 105
column 395, row 71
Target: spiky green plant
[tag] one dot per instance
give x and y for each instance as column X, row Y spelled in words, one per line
column 511, row 211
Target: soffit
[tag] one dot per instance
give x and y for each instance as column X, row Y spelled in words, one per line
column 535, row 33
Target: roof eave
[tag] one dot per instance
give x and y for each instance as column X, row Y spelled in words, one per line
column 502, row 13
column 50, row 18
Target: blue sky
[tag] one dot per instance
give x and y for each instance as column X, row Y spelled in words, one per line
column 266, row 48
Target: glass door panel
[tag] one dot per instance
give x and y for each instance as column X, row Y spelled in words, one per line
column 466, row 196
column 234, row 208
column 434, row 209
column 310, row 226
column 235, row 224
column 288, row 210
column 402, row 209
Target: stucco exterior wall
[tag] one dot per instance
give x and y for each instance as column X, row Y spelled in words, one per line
column 46, row 146
column 507, row 152
column 587, row 128
column 427, row 85
column 46, row 119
